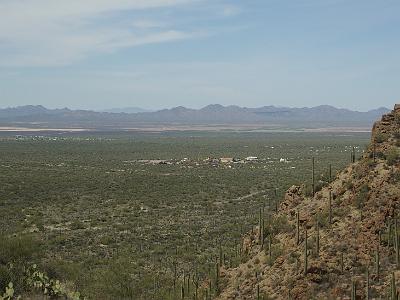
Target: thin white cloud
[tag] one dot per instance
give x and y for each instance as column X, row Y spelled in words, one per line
column 231, row 10
column 48, row 32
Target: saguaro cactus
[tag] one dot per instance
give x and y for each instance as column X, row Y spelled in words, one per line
column 367, row 286
column 396, row 243
column 313, row 176
column 221, row 262
column 305, row 253
column 216, row 278
column 330, row 206
column 298, row 227
column 341, row 262
column 353, row 290
column 270, row 248
column 317, row 239
column 393, row 290
column 374, row 152
column 261, row 228
column 377, row 263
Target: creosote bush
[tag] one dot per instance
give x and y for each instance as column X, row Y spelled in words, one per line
column 361, row 196
column 392, row 157
column 396, row 176
column 16, row 253
column 381, row 138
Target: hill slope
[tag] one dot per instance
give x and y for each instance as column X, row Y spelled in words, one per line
column 359, row 244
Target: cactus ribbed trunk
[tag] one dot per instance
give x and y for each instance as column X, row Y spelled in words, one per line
column 313, row 176
column 305, row 253
column 317, row 239
column 341, row 262
column 217, row 278
column 298, row 227
column 270, row 248
column 377, row 263
column 261, row 229
column 353, row 290
column 330, row 207
column 367, row 286
column 393, row 290
column 396, row 243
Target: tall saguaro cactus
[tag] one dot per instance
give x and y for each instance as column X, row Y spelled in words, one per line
column 330, row 206
column 217, row 278
column 377, row 262
column 367, row 286
column 341, row 262
column 305, row 253
column 393, row 290
column 396, row 243
column 313, row 176
column 261, row 228
column 317, row 240
column 374, row 152
column 298, row 227
column 354, row 290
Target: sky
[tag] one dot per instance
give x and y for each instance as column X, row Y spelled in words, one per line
column 154, row 54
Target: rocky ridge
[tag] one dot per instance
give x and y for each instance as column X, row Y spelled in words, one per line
column 350, row 228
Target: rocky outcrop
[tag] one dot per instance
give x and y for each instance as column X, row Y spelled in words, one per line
column 355, row 231
column 385, row 132
column 293, row 197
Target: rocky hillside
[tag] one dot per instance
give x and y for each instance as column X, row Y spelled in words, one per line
column 341, row 243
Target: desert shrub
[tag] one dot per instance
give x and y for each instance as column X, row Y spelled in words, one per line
column 369, row 163
column 77, row 225
column 349, row 185
column 307, row 190
column 319, row 185
column 5, row 277
column 397, row 119
column 119, row 282
column 396, row 176
column 276, row 251
column 322, row 218
column 17, row 249
column 380, row 154
column 293, row 257
column 280, row 224
column 361, row 169
column 15, row 255
column 392, row 157
column 362, row 195
column 381, row 137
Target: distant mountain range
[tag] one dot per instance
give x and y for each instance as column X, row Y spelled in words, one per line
column 271, row 116
column 127, row 110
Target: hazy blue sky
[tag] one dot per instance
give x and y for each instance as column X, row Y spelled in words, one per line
column 100, row 54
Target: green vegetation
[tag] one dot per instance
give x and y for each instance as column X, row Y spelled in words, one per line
column 392, row 156
column 111, row 223
column 381, row 137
